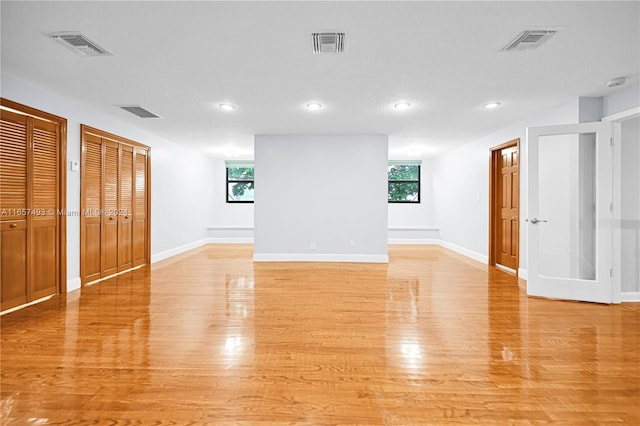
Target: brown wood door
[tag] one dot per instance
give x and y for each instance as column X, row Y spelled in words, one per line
column 13, row 208
column 92, row 197
column 125, row 209
column 42, row 223
column 111, row 183
column 140, row 208
column 114, row 182
column 508, row 188
column 30, row 205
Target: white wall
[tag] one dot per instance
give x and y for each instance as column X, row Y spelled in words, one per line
column 461, row 185
column 328, row 190
column 630, row 206
column 180, row 178
column 622, row 99
column 407, row 222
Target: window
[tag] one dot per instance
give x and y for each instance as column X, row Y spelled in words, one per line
column 404, row 181
column 239, row 181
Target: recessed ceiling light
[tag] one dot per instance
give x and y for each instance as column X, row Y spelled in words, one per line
column 313, row 106
column 492, row 105
column 227, row 107
column 402, row 106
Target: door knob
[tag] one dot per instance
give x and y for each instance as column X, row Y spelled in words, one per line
column 536, row 220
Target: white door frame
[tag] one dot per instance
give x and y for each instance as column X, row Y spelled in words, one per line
column 617, row 120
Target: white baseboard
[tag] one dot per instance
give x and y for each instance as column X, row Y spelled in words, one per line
column 630, row 296
column 466, row 252
column 320, row 257
column 73, row 284
column 418, row 241
column 506, row 269
column 523, row 273
column 177, row 250
column 230, row 240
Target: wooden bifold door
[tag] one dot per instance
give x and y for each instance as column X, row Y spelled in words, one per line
column 115, row 202
column 32, row 202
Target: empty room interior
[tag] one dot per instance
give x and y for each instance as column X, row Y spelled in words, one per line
column 319, row 212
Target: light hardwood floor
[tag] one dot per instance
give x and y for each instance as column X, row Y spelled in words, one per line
column 209, row 337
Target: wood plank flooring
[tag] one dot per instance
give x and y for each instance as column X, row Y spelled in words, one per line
column 209, row 337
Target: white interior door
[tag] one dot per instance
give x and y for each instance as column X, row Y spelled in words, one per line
column 570, row 234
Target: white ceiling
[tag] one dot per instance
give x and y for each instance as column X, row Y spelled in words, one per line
column 180, row 59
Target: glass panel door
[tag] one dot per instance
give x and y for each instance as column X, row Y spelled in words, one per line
column 569, row 224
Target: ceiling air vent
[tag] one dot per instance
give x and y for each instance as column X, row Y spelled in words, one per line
column 78, row 43
column 528, row 40
column 328, row 42
column 139, row 111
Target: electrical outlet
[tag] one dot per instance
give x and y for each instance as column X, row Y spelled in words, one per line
column 352, row 243
column 312, row 245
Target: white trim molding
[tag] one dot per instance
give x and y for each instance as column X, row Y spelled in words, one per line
column 230, row 240
column 623, row 114
column 523, row 273
column 630, row 296
column 482, row 258
column 320, row 257
column 177, row 250
column 417, row 241
column 230, row 234
column 73, row 284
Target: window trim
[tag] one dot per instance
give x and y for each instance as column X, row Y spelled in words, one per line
column 419, row 182
column 230, row 164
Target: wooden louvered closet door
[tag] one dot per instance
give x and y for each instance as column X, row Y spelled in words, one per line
column 43, row 222
column 92, row 197
column 111, row 183
column 30, row 206
column 140, row 207
column 125, row 209
column 114, row 184
column 13, row 200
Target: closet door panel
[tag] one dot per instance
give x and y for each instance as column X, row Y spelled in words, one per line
column 140, row 208
column 45, row 260
column 110, row 208
column 125, row 211
column 13, row 209
column 43, row 220
column 13, row 259
column 92, row 196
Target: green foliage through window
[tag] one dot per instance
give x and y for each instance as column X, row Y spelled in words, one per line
column 404, row 183
column 240, row 184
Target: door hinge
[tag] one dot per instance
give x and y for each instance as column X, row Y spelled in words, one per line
column 611, row 272
column 611, row 141
column 611, row 207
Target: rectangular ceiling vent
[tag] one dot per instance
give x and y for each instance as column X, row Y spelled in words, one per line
column 139, row 111
column 78, row 43
column 328, row 42
column 528, row 40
